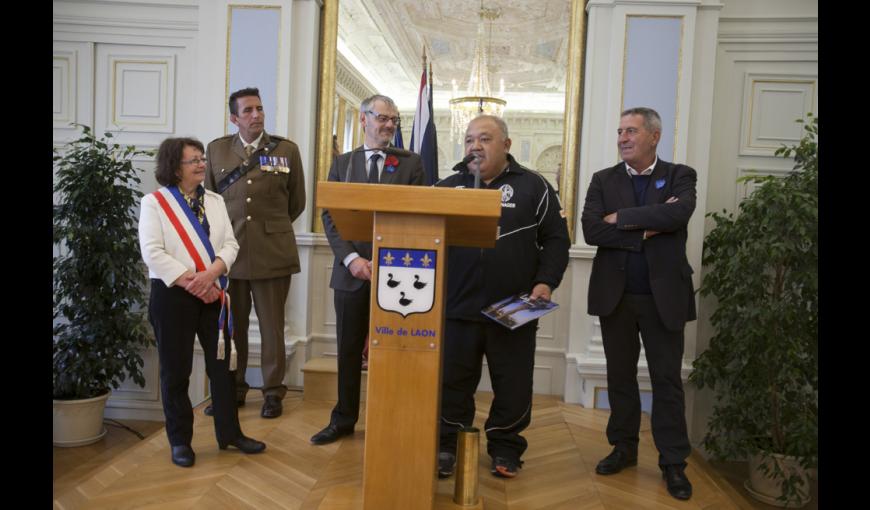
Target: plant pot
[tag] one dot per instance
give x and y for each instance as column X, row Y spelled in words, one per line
column 766, row 489
column 79, row 422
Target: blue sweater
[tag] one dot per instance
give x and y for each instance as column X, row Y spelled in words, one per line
column 636, row 269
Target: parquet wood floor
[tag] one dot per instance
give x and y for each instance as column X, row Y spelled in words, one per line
column 565, row 443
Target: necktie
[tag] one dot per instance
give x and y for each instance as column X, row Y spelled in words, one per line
column 249, row 149
column 195, row 201
column 373, row 169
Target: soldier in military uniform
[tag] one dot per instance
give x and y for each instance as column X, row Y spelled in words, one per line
column 260, row 178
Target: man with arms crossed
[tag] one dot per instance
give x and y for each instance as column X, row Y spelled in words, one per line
column 636, row 213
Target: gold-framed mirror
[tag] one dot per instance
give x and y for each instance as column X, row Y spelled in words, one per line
column 384, row 18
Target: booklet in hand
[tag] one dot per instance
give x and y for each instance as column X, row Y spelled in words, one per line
column 514, row 311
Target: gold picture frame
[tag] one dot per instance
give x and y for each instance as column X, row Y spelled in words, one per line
column 572, row 115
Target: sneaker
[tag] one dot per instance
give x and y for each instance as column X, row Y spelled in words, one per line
column 446, row 464
column 504, row 467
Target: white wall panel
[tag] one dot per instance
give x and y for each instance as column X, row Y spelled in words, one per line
column 651, row 75
column 63, row 91
column 142, row 93
column 72, row 79
column 130, row 401
column 771, row 106
column 136, row 92
column 744, row 189
column 253, row 46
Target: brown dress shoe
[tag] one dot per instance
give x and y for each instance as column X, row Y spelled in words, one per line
column 272, row 407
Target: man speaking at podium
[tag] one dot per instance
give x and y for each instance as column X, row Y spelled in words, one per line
column 375, row 162
column 530, row 255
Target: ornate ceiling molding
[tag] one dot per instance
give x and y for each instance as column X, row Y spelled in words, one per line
column 349, row 84
column 529, row 45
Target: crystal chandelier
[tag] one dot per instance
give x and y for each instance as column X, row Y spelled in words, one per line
column 478, row 98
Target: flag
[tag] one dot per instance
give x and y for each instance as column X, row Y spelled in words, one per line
column 423, row 139
column 397, row 138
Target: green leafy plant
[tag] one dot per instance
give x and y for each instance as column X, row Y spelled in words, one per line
column 99, row 278
column 762, row 362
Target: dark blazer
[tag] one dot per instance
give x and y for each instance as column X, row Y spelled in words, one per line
column 408, row 171
column 670, row 274
column 262, row 206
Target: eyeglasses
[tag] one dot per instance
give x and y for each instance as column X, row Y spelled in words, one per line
column 383, row 118
column 194, row 161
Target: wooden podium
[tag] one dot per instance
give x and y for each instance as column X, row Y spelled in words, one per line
column 410, row 228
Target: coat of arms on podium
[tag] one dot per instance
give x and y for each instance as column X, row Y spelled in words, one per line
column 406, row 280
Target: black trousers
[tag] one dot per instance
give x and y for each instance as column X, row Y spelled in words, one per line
column 511, row 357
column 176, row 317
column 664, row 354
column 352, row 326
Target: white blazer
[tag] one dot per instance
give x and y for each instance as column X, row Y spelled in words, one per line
column 161, row 246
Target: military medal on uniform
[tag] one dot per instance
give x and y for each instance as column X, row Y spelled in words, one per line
column 274, row 164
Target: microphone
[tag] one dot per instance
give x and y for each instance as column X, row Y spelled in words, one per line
column 462, row 166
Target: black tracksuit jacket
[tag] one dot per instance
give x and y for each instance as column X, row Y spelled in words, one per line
column 532, row 245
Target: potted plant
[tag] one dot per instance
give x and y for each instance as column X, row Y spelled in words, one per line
column 762, row 362
column 99, row 282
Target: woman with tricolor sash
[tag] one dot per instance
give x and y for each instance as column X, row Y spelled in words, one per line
column 187, row 242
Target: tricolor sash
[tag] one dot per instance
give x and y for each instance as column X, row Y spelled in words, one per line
column 177, row 210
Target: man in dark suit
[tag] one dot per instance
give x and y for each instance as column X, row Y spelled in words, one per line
column 636, row 213
column 260, row 177
column 352, row 268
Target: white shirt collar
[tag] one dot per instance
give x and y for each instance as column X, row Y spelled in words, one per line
column 255, row 143
column 373, row 152
column 649, row 170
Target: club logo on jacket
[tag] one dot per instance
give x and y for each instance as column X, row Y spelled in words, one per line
column 507, row 193
column 406, row 280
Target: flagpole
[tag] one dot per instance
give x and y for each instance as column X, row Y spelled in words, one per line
column 424, row 139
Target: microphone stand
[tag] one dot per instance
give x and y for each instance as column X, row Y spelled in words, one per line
column 462, row 166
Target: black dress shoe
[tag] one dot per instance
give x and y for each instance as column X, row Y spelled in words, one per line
column 615, row 462
column 678, row 484
column 330, row 434
column 209, row 410
column 272, row 407
column 245, row 444
column 183, row 456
